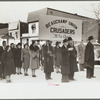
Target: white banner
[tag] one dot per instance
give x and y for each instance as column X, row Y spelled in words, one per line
column 59, row 28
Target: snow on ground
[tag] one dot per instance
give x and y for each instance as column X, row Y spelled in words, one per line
column 24, row 87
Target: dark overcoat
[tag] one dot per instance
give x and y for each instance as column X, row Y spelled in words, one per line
column 13, row 50
column 8, row 62
column 18, row 62
column 89, row 55
column 48, row 59
column 65, row 69
column 1, row 52
column 72, row 59
column 57, row 56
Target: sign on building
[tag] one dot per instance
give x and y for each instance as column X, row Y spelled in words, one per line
column 34, row 29
column 59, row 28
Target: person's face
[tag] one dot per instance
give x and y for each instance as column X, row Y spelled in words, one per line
column 8, row 49
column 70, row 42
column 92, row 41
column 19, row 46
column 38, row 42
column 66, row 43
column 4, row 44
column 60, row 44
column 26, row 46
column 81, row 42
column 12, row 46
column 47, row 42
column 34, row 44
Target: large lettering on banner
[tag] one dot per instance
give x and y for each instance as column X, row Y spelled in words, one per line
column 59, row 28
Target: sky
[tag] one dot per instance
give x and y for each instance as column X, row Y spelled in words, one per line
column 18, row 10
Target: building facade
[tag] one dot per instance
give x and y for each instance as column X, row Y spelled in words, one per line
column 90, row 26
column 16, row 29
column 3, row 31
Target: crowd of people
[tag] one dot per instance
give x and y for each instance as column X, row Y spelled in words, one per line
column 64, row 57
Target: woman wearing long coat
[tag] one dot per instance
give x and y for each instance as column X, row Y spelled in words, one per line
column 25, row 58
column 89, row 58
column 65, row 68
column 13, row 50
column 18, row 62
column 81, row 55
column 48, row 59
column 57, row 56
column 8, row 61
column 72, row 59
column 34, row 58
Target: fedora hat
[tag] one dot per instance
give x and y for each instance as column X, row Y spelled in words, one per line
column 19, row 44
column 58, row 42
column 65, row 40
column 90, row 38
column 70, row 38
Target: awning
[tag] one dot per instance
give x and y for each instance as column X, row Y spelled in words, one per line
column 3, row 31
column 7, row 36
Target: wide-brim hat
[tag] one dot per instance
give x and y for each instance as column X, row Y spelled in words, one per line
column 90, row 38
column 70, row 38
column 19, row 44
column 58, row 42
column 33, row 41
column 65, row 40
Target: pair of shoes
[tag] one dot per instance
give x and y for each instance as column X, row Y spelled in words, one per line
column 93, row 76
column 20, row 73
column 89, row 77
column 65, row 82
column 33, row 75
column 50, row 78
column 58, row 72
column 0, row 78
column 8, row 81
column 17, row 73
column 47, row 79
column 72, row 79
column 4, row 77
column 25, row 74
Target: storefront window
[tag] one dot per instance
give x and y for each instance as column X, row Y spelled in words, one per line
column 10, row 33
column 33, row 28
column 16, row 35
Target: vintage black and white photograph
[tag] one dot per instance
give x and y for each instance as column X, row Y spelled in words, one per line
column 49, row 49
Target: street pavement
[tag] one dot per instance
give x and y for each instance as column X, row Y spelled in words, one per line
column 27, row 87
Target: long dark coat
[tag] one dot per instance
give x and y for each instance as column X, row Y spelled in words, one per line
column 8, row 62
column 72, row 59
column 1, row 65
column 89, row 55
column 1, row 52
column 18, row 62
column 13, row 50
column 48, row 60
column 65, row 68
column 57, row 55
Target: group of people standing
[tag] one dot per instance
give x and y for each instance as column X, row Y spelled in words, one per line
column 64, row 58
